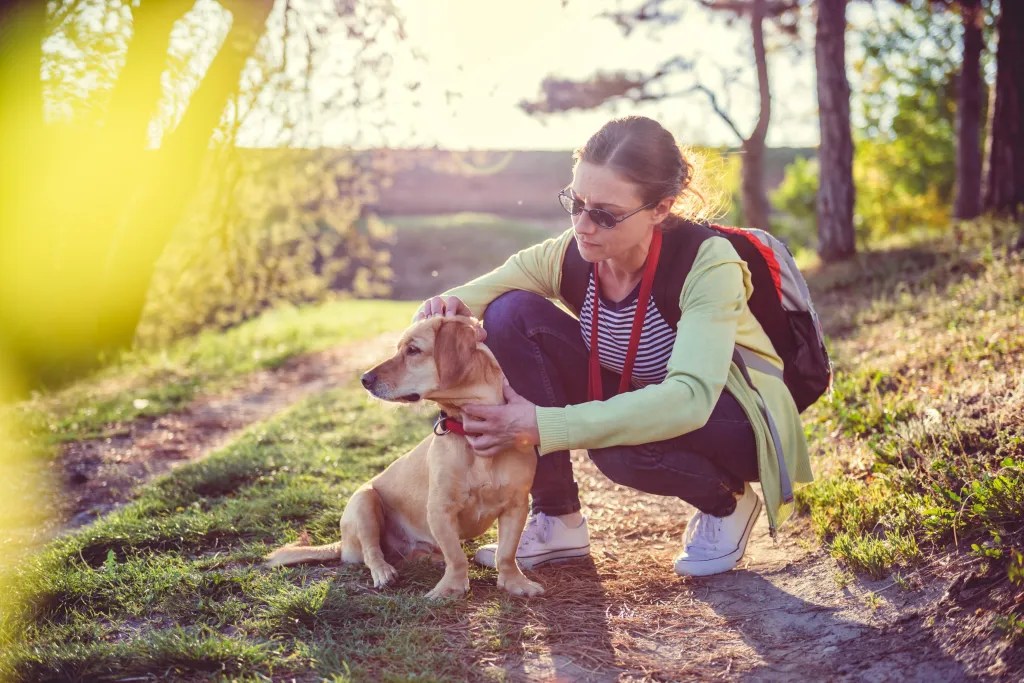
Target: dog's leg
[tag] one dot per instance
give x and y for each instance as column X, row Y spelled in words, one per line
column 443, row 527
column 510, row 576
column 363, row 519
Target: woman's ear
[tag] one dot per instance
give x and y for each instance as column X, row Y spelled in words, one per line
column 454, row 348
column 663, row 209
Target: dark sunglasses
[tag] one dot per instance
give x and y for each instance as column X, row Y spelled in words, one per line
column 600, row 217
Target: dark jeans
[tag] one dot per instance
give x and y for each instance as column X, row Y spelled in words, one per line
column 542, row 353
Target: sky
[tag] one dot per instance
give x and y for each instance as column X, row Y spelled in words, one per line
column 481, row 58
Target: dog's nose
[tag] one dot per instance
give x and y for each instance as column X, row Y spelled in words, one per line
column 369, row 377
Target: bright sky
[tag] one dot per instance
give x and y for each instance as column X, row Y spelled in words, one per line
column 483, row 57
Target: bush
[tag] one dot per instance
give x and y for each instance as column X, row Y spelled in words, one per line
column 273, row 226
column 890, row 201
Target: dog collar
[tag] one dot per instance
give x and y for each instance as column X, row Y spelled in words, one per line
column 444, row 424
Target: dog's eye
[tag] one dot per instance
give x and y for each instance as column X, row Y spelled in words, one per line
column 411, row 350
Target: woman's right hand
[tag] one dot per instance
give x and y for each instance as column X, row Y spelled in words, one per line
column 448, row 306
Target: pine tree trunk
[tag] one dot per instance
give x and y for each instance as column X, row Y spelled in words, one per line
column 968, row 150
column 835, row 153
column 1004, row 191
column 756, row 209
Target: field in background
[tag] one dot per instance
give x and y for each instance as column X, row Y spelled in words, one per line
column 513, row 183
column 433, row 253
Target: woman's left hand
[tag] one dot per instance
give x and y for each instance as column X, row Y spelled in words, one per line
column 493, row 429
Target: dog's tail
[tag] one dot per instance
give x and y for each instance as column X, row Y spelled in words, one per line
column 301, row 551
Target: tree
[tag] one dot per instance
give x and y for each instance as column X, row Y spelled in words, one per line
column 905, row 149
column 135, row 96
column 563, row 94
column 967, row 203
column 1004, row 188
column 970, row 101
column 835, row 152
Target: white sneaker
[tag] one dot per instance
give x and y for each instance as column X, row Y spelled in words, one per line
column 712, row 545
column 545, row 539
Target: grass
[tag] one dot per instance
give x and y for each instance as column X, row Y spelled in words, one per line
column 923, row 433
column 149, row 383
column 172, row 583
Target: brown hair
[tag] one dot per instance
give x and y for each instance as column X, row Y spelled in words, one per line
column 645, row 154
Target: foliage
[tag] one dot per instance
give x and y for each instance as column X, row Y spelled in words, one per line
column 904, row 162
column 889, row 199
column 795, row 198
column 134, row 95
column 274, row 226
column 904, row 111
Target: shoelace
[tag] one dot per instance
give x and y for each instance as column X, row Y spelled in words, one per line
column 706, row 531
column 538, row 527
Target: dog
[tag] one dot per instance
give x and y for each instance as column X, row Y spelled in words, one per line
column 440, row 492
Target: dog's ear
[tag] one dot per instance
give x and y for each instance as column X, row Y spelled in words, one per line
column 454, row 350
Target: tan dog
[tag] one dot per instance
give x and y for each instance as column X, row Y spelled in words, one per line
column 440, row 492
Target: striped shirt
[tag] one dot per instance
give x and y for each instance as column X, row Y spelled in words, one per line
column 614, row 324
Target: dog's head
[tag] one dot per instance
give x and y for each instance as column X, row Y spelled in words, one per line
column 439, row 359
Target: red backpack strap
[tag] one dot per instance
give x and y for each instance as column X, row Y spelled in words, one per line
column 765, row 275
column 764, row 250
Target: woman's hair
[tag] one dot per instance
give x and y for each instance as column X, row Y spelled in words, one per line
column 644, row 153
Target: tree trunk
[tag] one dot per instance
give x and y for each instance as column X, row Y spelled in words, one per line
column 23, row 160
column 170, row 179
column 1004, row 191
column 835, row 153
column 22, row 25
column 968, row 142
column 756, row 209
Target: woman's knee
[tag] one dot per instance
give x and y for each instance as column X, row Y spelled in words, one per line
column 511, row 310
column 626, row 465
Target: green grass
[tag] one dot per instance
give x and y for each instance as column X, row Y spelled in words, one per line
column 922, row 434
column 154, row 382
column 171, row 585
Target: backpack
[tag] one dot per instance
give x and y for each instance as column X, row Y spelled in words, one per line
column 781, row 301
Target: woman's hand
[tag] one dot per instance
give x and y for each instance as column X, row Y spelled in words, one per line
column 448, row 306
column 493, row 429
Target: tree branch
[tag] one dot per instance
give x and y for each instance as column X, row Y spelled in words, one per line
column 700, row 87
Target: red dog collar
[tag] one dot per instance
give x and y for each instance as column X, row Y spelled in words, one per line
column 444, row 424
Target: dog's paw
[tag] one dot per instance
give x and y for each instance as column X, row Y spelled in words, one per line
column 383, row 574
column 520, row 585
column 448, row 589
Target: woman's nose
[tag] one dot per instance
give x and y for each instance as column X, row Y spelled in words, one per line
column 583, row 224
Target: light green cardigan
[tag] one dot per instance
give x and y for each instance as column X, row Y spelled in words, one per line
column 715, row 317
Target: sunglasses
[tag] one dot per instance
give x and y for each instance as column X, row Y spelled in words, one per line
column 600, row 217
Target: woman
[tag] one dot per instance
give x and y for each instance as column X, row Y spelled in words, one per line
column 684, row 423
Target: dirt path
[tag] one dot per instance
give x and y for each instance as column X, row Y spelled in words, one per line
column 784, row 614
column 97, row 475
column 787, row 613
